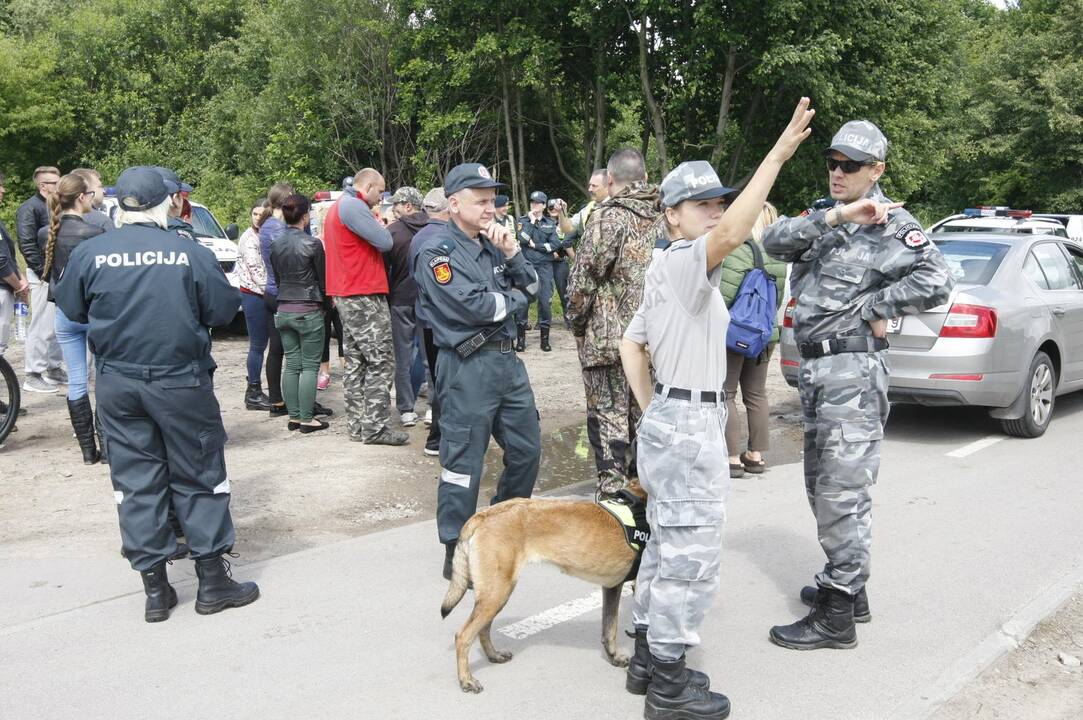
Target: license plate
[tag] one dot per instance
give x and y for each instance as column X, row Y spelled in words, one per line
column 894, row 325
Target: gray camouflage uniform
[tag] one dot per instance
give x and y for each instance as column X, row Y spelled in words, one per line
column 844, row 278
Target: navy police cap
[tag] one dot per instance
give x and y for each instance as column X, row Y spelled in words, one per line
column 469, row 175
column 142, row 188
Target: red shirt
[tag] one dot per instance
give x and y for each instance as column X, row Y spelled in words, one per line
column 354, row 267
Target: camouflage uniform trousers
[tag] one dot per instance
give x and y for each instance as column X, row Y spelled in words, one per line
column 844, row 404
column 683, row 467
column 370, row 363
column 612, row 416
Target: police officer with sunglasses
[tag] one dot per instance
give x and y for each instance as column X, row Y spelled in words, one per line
column 856, row 265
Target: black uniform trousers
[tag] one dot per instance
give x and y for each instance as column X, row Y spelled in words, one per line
column 488, row 394
column 544, row 298
column 166, row 440
column 560, row 277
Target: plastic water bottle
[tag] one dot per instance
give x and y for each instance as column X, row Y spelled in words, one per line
column 21, row 314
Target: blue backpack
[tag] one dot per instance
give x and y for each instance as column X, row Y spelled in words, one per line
column 752, row 314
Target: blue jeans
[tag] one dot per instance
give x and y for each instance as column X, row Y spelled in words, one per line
column 72, row 339
column 258, row 320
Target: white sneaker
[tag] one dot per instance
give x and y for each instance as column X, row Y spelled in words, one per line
column 428, row 417
column 409, row 419
column 432, row 452
column 36, row 383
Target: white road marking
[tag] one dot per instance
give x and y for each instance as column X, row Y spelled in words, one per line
column 554, row 616
column 975, row 446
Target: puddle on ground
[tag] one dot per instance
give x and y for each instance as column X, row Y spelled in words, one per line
column 566, row 459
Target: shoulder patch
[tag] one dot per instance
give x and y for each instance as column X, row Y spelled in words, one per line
column 912, row 236
column 441, row 269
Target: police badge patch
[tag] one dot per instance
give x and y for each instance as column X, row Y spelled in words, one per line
column 912, row 236
column 441, row 269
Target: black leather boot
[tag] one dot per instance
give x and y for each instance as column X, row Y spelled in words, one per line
column 640, row 667
column 82, row 421
column 520, row 339
column 217, row 590
column 812, row 595
column 545, row 346
column 672, row 695
column 161, row 597
column 254, row 399
column 102, row 447
column 830, row 624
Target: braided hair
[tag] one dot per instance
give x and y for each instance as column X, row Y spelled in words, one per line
column 68, row 191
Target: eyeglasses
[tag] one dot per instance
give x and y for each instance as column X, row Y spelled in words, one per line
column 848, row 166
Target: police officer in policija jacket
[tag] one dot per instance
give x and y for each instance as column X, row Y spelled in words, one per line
column 150, row 297
column 538, row 239
column 856, row 266
column 471, row 280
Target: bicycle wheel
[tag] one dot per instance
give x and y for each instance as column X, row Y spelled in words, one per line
column 9, row 399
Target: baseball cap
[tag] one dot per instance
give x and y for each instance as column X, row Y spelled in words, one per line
column 693, row 180
column 407, row 194
column 860, row 140
column 469, row 175
column 435, row 200
column 501, row 201
column 141, row 188
column 170, row 176
column 538, row 196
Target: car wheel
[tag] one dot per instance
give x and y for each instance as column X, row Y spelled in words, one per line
column 1041, row 395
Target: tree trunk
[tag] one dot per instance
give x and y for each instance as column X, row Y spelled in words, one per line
column 506, row 106
column 654, row 112
column 724, row 106
column 739, row 150
column 599, row 103
column 556, row 147
column 522, row 153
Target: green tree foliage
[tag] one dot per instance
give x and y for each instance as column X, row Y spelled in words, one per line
column 981, row 104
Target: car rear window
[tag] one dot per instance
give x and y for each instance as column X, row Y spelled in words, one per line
column 972, row 261
column 203, row 223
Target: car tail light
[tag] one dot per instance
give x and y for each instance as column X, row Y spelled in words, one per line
column 787, row 314
column 950, row 376
column 970, row 321
column 789, row 363
column 322, row 195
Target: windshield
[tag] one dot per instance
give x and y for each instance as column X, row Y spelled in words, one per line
column 204, row 223
column 972, row 261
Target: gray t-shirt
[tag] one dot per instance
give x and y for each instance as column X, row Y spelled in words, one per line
column 683, row 319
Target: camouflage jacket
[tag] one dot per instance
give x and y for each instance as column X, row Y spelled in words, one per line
column 606, row 282
column 845, row 277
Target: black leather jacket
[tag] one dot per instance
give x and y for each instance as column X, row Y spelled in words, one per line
column 298, row 263
column 31, row 216
column 73, row 230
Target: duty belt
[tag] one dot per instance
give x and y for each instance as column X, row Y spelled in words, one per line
column 482, row 340
column 834, row 346
column 704, row 396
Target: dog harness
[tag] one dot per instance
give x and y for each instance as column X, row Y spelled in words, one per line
column 631, row 512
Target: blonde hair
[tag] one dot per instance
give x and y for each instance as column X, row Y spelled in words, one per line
column 767, row 216
column 159, row 215
column 68, row 191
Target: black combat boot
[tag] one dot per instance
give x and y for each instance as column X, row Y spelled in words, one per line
column 520, row 339
column 217, row 590
column 161, row 597
column 640, row 667
column 545, row 346
column 102, row 447
column 254, row 399
column 812, row 595
column 449, row 556
column 673, row 695
column 82, row 421
column 830, row 624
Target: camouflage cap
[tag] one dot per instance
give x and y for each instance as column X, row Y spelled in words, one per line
column 860, row 140
column 435, row 200
column 407, row 194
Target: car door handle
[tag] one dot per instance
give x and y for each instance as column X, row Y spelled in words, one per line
column 1058, row 311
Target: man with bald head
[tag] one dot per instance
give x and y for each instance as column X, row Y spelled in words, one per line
column 471, row 279
column 354, row 241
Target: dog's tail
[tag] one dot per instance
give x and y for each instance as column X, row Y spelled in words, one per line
column 460, row 576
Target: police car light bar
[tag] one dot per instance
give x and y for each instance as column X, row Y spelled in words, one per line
column 996, row 211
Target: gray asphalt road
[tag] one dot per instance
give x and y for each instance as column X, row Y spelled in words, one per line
column 975, row 537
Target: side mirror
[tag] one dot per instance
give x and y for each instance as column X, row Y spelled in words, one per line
column 233, row 232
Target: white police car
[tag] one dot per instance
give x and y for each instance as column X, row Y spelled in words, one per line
column 1000, row 219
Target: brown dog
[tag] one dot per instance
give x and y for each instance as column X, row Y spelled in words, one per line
column 577, row 536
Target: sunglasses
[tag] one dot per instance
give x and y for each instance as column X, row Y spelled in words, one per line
column 848, row 166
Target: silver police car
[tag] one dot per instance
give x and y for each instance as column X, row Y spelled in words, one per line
column 1010, row 337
